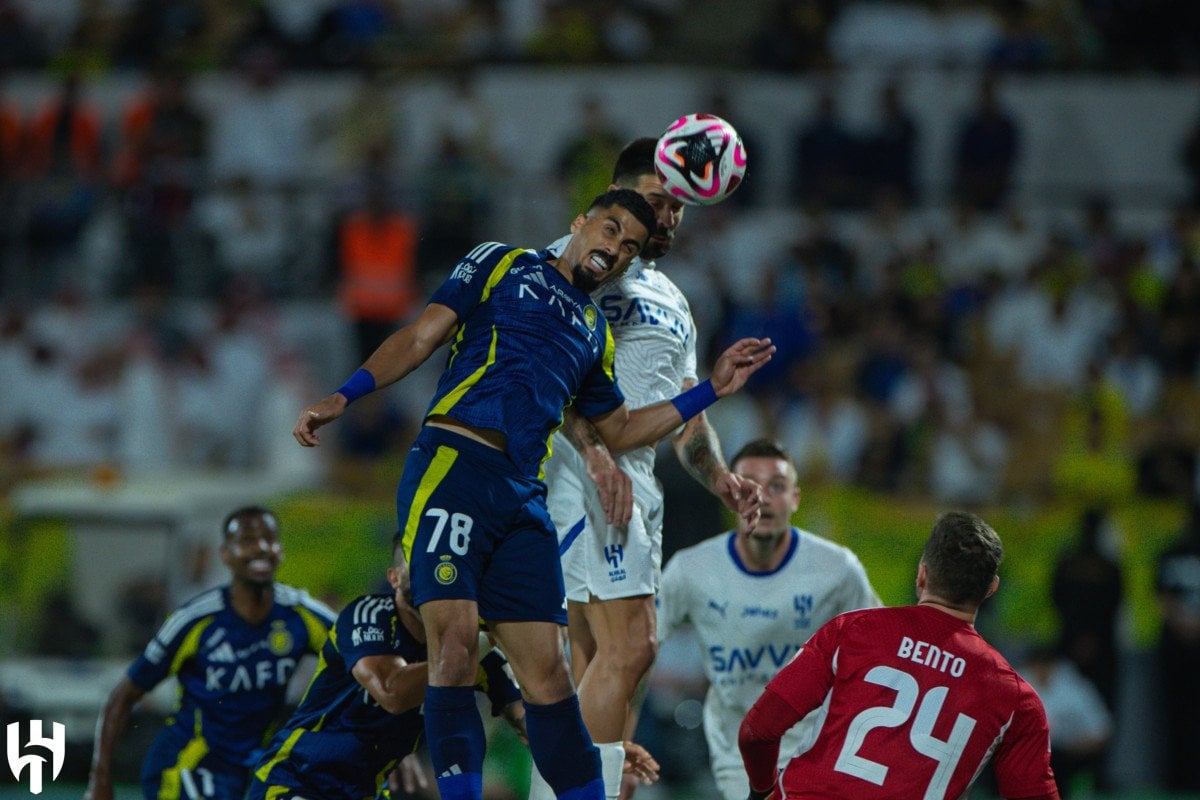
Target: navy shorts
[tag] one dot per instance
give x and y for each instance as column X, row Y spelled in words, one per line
column 165, row 775
column 475, row 528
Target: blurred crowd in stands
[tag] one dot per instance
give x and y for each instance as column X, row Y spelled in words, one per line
column 782, row 35
column 172, row 274
column 177, row 279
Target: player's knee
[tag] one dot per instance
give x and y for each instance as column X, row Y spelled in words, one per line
column 548, row 684
column 641, row 654
column 633, row 658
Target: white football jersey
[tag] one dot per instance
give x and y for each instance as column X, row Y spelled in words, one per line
column 750, row 624
column 652, row 325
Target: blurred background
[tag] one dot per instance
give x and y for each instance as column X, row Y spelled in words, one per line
column 972, row 228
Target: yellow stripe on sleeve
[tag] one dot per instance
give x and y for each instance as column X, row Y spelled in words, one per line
column 498, row 272
column 190, row 645
column 494, row 278
column 317, row 632
column 610, row 352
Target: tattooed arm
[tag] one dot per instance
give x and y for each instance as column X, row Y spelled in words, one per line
column 700, row 453
column 616, row 490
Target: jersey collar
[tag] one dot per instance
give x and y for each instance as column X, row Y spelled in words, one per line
column 737, row 560
column 639, row 266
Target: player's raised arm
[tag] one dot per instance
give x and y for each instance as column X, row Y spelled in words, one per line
column 398, row 355
column 699, row 451
column 623, row 429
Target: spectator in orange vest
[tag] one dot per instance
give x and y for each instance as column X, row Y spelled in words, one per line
column 377, row 256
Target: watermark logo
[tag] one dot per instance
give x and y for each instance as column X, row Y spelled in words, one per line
column 56, row 743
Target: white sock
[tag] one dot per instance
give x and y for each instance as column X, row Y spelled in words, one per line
column 612, row 765
column 538, row 788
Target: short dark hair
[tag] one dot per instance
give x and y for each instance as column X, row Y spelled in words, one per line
column 245, row 511
column 632, row 202
column 962, row 557
column 635, row 160
column 760, row 448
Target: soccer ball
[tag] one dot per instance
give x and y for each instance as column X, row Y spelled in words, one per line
column 700, row 159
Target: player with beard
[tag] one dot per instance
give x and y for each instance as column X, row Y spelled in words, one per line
column 753, row 597
column 612, row 554
column 233, row 650
column 528, row 342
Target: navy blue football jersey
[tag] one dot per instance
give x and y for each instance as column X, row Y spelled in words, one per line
column 529, row 343
column 232, row 675
column 340, row 743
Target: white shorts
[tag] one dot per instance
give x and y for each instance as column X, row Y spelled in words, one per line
column 721, row 724
column 732, row 782
column 599, row 560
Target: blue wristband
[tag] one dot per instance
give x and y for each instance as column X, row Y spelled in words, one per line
column 694, row 400
column 359, row 384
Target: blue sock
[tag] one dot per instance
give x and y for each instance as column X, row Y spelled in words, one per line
column 456, row 741
column 563, row 751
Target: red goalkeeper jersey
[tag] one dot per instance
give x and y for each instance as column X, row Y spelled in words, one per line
column 914, row 701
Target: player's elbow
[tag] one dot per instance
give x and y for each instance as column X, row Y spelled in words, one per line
column 747, row 735
column 399, row 696
column 755, row 731
column 124, row 696
column 398, row 704
column 404, row 690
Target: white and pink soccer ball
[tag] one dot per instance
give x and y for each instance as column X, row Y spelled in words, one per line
column 700, row 159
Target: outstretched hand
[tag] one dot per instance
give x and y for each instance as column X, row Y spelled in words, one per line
column 640, row 764
column 740, row 495
column 614, row 486
column 739, row 361
column 316, row 415
column 409, row 775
